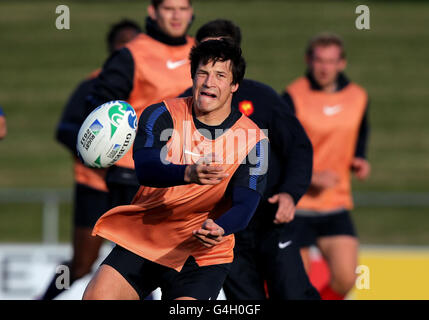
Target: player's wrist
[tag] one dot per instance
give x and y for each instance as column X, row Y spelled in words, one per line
column 286, row 195
column 189, row 173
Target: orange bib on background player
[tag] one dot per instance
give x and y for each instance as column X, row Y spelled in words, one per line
column 94, row 178
column 158, row 224
column 161, row 72
column 332, row 122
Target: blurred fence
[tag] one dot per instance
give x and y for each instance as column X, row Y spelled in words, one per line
column 52, row 198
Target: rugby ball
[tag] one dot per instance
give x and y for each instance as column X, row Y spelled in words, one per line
column 107, row 134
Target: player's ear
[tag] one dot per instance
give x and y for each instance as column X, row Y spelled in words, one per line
column 234, row 87
column 151, row 12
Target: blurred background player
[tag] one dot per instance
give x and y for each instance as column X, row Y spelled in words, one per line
column 334, row 113
column 266, row 250
column 153, row 67
column 177, row 233
column 90, row 191
column 3, row 126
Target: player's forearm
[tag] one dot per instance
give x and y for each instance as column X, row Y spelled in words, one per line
column 152, row 172
column 244, row 204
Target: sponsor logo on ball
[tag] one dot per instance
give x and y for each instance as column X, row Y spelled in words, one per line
column 112, row 153
column 123, row 148
column 90, row 134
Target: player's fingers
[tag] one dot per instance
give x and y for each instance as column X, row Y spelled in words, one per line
column 216, row 235
column 205, row 240
column 210, row 181
column 201, row 232
column 210, row 241
column 278, row 218
column 284, row 215
column 206, row 170
column 362, row 174
column 209, row 169
column 210, row 159
column 214, row 175
column 290, row 217
column 273, row 199
column 367, row 172
column 208, row 245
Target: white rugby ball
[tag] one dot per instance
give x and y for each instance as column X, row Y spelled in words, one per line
column 107, row 134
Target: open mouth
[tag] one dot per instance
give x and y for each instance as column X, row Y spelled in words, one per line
column 208, row 94
column 176, row 25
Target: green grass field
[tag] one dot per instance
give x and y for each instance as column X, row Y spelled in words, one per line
column 42, row 65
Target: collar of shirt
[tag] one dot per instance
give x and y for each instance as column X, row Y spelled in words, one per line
column 225, row 125
column 153, row 30
column 342, row 81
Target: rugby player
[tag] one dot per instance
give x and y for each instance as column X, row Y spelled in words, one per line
column 334, row 113
column 152, row 67
column 266, row 250
column 178, row 232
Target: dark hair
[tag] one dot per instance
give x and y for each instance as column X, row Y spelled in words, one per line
column 219, row 28
column 323, row 40
column 219, row 50
column 117, row 28
column 157, row 3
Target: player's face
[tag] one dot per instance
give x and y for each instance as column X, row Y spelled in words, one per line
column 172, row 16
column 213, row 87
column 326, row 63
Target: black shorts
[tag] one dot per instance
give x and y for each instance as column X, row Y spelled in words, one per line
column 201, row 283
column 310, row 228
column 89, row 205
column 270, row 255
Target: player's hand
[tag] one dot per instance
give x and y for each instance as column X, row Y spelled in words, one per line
column 286, row 210
column 205, row 171
column 361, row 168
column 324, row 180
column 210, row 234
